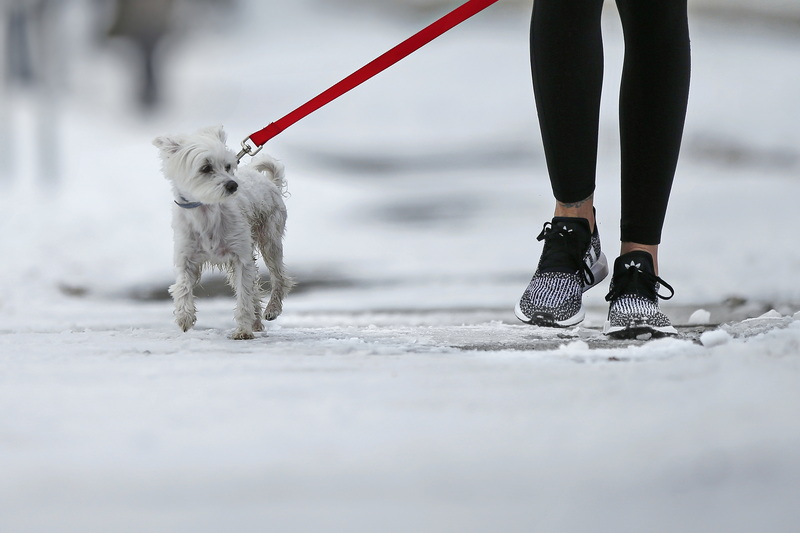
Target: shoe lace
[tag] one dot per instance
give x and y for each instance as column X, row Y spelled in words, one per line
column 561, row 246
column 637, row 281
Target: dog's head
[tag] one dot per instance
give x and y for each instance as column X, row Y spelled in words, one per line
column 199, row 165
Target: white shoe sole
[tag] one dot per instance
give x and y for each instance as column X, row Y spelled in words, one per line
column 636, row 330
column 544, row 320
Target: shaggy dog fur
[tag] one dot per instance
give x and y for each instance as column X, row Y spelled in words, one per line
column 221, row 216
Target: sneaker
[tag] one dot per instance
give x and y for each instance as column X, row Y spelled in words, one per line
column 634, row 295
column 571, row 263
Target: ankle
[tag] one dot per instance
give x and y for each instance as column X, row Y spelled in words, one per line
column 582, row 209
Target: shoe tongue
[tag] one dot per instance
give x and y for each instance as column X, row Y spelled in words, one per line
column 565, row 255
column 640, row 259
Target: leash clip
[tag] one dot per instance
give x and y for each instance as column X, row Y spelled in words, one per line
column 248, row 148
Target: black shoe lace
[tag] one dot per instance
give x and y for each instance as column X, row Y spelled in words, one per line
column 562, row 246
column 637, row 281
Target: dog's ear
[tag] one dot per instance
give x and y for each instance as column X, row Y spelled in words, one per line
column 167, row 144
column 216, row 131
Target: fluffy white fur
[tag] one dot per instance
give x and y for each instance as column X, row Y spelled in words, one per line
column 242, row 210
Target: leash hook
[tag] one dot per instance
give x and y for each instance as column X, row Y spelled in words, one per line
column 248, row 148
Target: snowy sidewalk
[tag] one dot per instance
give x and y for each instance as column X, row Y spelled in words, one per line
column 112, row 420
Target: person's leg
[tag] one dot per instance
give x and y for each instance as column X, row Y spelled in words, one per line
column 653, row 100
column 567, row 68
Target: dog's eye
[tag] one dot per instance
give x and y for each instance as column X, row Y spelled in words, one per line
column 206, row 169
column 228, row 167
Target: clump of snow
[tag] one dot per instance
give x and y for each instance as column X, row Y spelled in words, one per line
column 718, row 337
column 700, row 317
column 573, row 348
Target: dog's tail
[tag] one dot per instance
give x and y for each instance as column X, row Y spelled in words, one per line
column 274, row 169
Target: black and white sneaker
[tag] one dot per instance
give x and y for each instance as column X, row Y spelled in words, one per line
column 571, row 263
column 634, row 295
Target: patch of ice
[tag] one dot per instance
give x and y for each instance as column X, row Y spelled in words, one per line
column 755, row 326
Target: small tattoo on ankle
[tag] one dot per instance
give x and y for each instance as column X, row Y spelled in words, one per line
column 574, row 205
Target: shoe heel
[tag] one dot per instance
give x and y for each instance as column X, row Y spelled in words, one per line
column 599, row 270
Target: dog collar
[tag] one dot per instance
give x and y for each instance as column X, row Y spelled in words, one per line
column 186, row 204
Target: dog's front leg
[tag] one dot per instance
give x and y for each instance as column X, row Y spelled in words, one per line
column 183, row 293
column 243, row 280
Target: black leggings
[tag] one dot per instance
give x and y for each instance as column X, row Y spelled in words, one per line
column 567, row 65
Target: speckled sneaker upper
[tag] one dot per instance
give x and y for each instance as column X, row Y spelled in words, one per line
column 634, row 299
column 571, row 263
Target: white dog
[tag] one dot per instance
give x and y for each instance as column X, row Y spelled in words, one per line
column 219, row 218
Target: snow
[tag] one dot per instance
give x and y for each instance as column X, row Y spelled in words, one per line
column 718, row 337
column 700, row 317
column 397, row 392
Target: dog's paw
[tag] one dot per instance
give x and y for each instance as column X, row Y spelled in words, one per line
column 242, row 335
column 185, row 322
column 273, row 311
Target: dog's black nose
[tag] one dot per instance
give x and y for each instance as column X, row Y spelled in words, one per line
column 231, row 186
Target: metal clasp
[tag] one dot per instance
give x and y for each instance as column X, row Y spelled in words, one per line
column 248, row 148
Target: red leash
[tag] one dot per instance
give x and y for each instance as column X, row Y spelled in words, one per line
column 252, row 144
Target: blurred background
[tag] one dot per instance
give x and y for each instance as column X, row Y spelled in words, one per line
column 423, row 188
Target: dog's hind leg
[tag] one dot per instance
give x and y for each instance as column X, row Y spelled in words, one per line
column 258, row 294
column 242, row 278
column 280, row 283
column 183, row 295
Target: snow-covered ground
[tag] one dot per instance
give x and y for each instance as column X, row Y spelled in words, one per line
column 396, row 392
